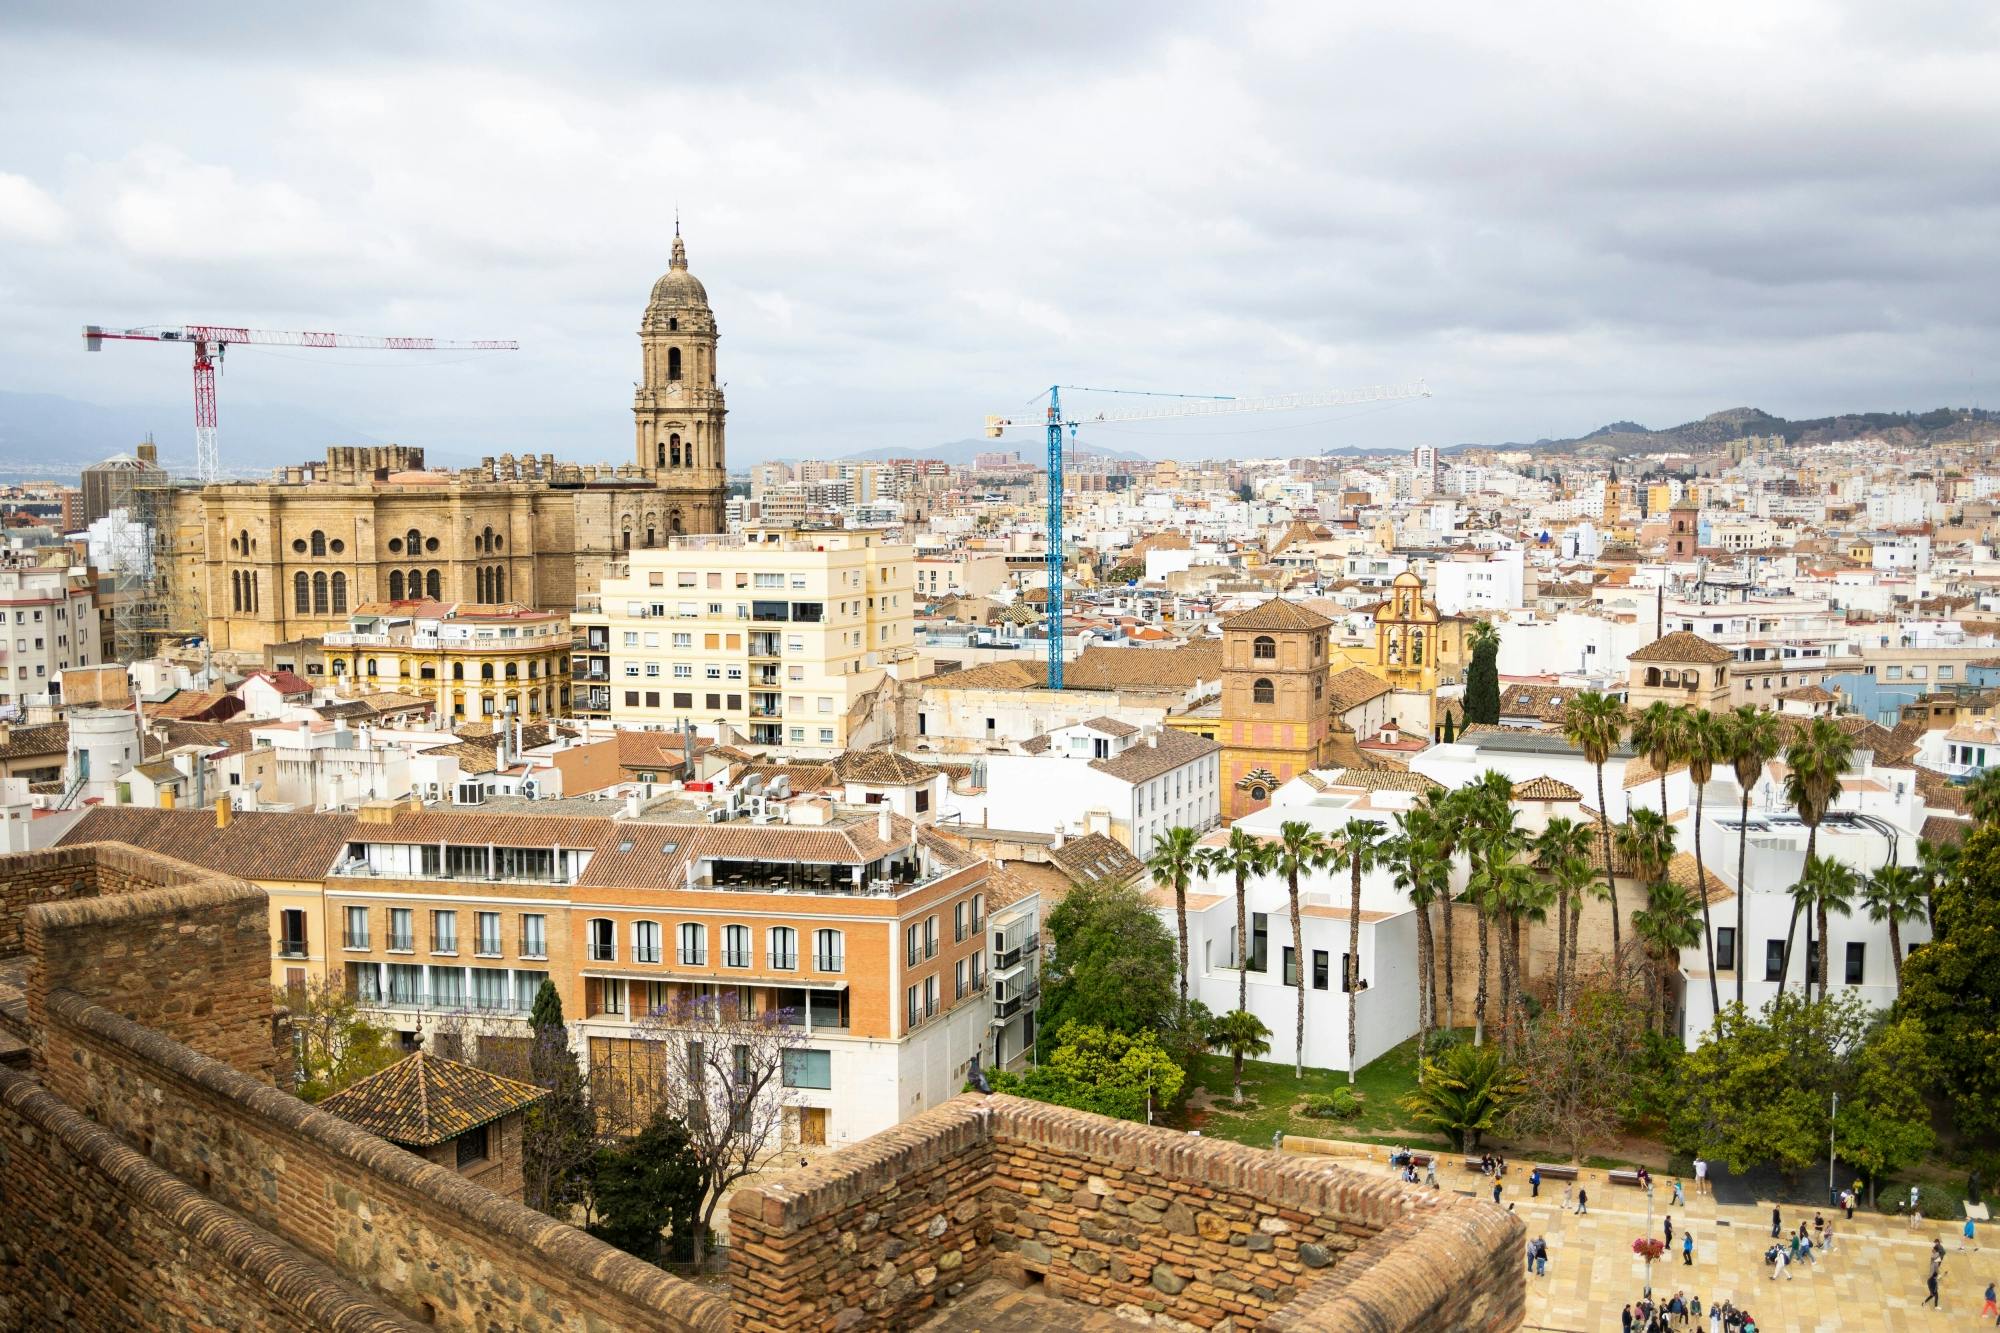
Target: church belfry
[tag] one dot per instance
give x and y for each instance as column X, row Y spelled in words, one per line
column 678, row 409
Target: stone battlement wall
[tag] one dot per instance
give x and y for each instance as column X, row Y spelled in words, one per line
column 1111, row 1214
column 70, row 873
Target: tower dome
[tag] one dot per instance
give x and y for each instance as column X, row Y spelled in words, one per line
column 677, row 288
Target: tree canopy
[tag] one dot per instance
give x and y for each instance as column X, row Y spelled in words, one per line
column 1094, row 1069
column 1113, row 962
column 1951, row 986
column 648, row 1187
column 1482, row 677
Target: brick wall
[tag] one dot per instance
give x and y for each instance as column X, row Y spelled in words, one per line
column 413, row 1233
column 1146, row 1221
column 870, row 1237
column 98, row 1238
column 71, row 873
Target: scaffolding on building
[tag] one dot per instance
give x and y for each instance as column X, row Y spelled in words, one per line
column 137, row 561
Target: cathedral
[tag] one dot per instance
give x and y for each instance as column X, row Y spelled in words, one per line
column 264, row 562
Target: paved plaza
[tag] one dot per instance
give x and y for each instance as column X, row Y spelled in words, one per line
column 1872, row 1279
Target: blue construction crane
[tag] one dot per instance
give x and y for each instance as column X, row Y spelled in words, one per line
column 1189, row 405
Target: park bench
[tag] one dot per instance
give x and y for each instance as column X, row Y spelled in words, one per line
column 1622, row 1177
column 1421, row 1160
column 1556, row 1171
column 1473, row 1163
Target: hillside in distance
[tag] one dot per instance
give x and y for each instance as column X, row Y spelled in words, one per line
column 1621, row 439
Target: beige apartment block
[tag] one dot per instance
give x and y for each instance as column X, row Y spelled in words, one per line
column 782, row 636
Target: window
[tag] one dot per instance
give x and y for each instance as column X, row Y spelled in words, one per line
column 444, row 932
column 447, row 987
column 1320, row 970
column 1291, row 967
column 1774, row 959
column 736, row 946
column 808, row 1069
column 693, row 945
column 645, row 941
column 357, row 928
column 912, row 1007
column 402, row 929
column 603, row 941
column 1725, row 949
column 930, row 937
column 1264, row 648
column 1263, row 692
column 913, row 952
column 829, row 951
column 301, row 593
column 783, row 947
column 1260, row 942
column 978, row 911
column 486, row 940
column 1856, row 954
column 959, row 980
column 292, row 933
column 958, row 923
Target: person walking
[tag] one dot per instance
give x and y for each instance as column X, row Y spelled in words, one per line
column 1992, row 1306
column 1582, row 1202
column 1680, row 1200
column 1496, row 1191
column 1535, row 1183
column 1826, row 1242
column 1967, row 1236
column 1782, row 1264
column 1777, row 1223
column 1687, row 1249
column 1700, row 1175
column 1625, row 1319
column 1670, row 1231
column 1931, row 1287
column 1569, row 1196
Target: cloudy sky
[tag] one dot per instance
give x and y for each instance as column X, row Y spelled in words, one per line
column 910, row 215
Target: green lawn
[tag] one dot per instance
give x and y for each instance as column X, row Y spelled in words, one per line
column 1271, row 1092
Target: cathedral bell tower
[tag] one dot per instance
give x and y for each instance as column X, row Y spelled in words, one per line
column 678, row 409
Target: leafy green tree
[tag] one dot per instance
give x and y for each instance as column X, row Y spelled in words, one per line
column 648, row 1187
column 1751, row 739
column 559, row 1138
column 1595, row 723
column 332, row 1044
column 1482, row 676
column 1359, row 848
column 1450, row 732
column 1244, row 1036
column 1951, row 986
column 1112, row 962
column 1758, row 1090
column 1578, row 1067
column 1464, row 1092
column 1885, row 1124
column 1097, row 1069
column 1175, row 859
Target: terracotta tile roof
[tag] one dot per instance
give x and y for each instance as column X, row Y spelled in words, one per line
column 1009, row 675
column 230, row 737
column 1353, row 687
column 1095, row 857
column 1277, row 614
column 32, row 742
column 1384, row 779
column 1811, row 694
column 286, row 683
column 1946, row 830
column 1110, row 726
column 257, row 845
column 423, row 1100
column 1639, row 770
column 1681, row 646
column 1143, row 761
column 1940, row 792
column 882, row 768
column 802, row 777
column 1544, row 703
column 1020, row 613
column 1035, row 744
column 1681, row 871
column 1546, row 788
column 192, row 705
column 1145, row 668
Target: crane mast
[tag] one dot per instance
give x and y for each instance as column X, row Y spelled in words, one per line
column 1192, row 405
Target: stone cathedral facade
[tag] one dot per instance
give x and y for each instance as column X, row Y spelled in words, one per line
column 262, row 562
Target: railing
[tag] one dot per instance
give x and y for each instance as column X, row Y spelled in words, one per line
column 537, row 947
column 645, row 953
column 736, row 959
column 692, row 957
column 354, row 940
column 403, row 943
column 1025, row 949
column 446, row 943
column 829, row 962
column 291, row 948
column 425, row 1000
column 487, row 946
column 785, row 962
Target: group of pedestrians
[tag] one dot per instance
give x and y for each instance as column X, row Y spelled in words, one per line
column 1681, row 1311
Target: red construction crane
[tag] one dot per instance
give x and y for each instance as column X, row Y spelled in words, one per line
column 210, row 341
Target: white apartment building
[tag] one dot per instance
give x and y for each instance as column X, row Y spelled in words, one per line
column 52, row 623
column 1127, row 782
column 1493, row 582
column 781, row 636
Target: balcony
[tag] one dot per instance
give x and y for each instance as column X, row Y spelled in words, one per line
column 354, row 940
column 1026, row 948
column 296, row 948
column 1007, row 1008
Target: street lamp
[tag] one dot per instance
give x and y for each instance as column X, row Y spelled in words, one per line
column 1831, row 1118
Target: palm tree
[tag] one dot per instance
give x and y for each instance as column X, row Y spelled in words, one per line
column 1818, row 755
column 1464, row 1092
column 1243, row 1035
column 1299, row 850
column 1666, row 925
column 1174, row 860
column 1446, row 817
column 1751, row 739
column 1359, row 848
column 1835, row 890
column 1704, row 744
column 1595, row 724
column 1521, row 896
column 1413, row 856
column 1243, row 855
column 1558, row 849
column 1982, row 796
column 1646, row 842
column 1895, row 894
column 1497, row 841
column 1659, row 733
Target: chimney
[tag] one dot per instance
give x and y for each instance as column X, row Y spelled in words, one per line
column 224, row 812
column 632, row 807
column 884, row 827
